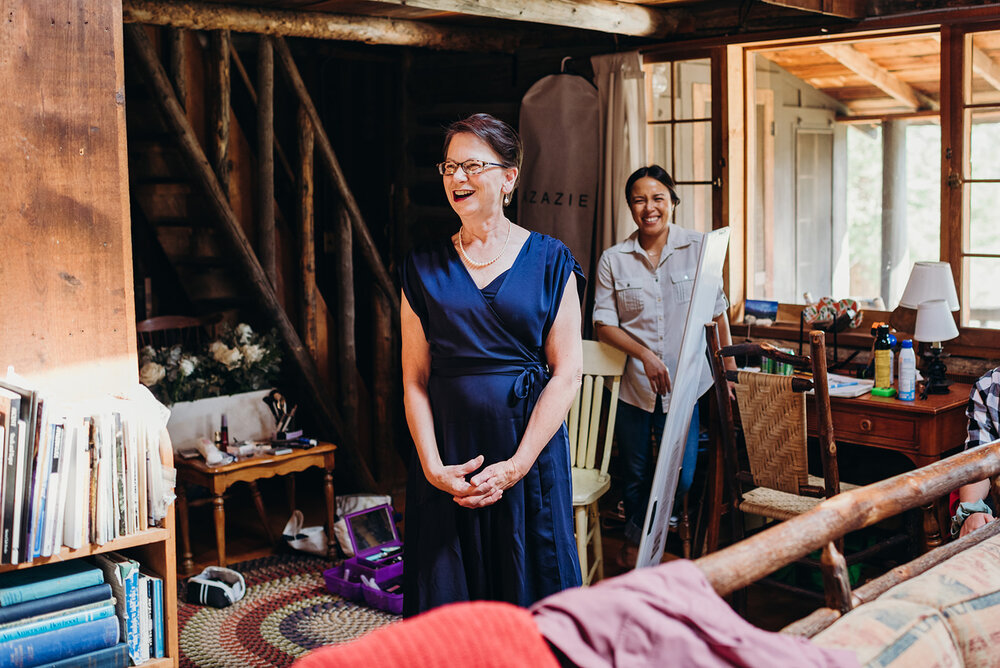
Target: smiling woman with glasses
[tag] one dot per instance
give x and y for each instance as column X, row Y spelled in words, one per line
column 490, row 323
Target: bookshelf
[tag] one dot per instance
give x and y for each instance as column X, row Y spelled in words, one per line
column 155, row 550
column 67, row 298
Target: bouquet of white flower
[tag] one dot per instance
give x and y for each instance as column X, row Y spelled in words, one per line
column 240, row 360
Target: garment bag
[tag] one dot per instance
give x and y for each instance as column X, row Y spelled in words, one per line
column 559, row 127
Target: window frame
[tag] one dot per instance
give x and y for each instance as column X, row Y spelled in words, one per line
column 733, row 82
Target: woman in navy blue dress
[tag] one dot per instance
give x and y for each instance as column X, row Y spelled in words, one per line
column 491, row 362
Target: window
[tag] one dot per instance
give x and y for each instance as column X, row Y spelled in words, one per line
column 980, row 248
column 840, row 198
column 679, row 137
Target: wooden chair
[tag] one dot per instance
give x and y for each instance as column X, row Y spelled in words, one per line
column 590, row 458
column 169, row 330
column 775, row 482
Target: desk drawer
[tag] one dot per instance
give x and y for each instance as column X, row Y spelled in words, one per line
column 891, row 431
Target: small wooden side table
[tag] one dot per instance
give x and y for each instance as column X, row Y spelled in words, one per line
column 247, row 469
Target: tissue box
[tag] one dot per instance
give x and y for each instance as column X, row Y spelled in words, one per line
column 378, row 556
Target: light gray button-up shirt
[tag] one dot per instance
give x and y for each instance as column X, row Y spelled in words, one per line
column 651, row 304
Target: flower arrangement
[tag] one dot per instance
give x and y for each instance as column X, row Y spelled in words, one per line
column 240, row 360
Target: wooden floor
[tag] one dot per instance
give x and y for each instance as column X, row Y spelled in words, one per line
column 766, row 607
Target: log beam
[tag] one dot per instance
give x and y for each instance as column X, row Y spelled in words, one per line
column 329, row 158
column 601, row 15
column 307, row 234
column 878, row 76
column 316, row 25
column 201, row 171
column 846, row 9
column 220, row 106
column 987, row 68
column 265, row 159
column 749, row 560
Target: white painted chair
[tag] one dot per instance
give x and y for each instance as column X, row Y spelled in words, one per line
column 590, row 474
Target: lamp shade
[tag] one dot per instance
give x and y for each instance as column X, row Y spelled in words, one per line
column 930, row 280
column 934, row 322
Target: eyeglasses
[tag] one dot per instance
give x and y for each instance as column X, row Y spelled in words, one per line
column 470, row 167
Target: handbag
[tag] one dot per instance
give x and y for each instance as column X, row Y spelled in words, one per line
column 305, row 539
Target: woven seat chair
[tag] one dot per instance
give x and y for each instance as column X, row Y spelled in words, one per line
column 772, row 424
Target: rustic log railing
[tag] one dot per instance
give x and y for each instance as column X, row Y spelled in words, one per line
column 749, row 560
column 230, row 229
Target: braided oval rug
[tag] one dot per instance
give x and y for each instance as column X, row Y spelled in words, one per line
column 286, row 612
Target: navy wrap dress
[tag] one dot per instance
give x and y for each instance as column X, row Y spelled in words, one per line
column 488, row 369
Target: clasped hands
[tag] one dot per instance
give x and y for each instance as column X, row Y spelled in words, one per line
column 483, row 489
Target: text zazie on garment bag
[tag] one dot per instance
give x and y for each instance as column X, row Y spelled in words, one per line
column 559, row 126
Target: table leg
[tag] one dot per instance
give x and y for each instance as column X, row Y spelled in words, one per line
column 220, row 528
column 187, row 557
column 258, row 501
column 331, row 547
column 290, row 489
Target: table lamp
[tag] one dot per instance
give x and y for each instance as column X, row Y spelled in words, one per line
column 934, row 325
column 930, row 280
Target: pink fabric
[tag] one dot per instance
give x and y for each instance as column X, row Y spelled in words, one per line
column 667, row 615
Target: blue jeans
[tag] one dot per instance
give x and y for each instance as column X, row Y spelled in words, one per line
column 637, row 431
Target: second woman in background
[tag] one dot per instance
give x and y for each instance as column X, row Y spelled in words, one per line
column 641, row 298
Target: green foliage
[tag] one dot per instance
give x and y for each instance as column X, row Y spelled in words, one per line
column 240, row 360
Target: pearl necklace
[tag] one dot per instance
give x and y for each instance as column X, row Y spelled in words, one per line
column 480, row 265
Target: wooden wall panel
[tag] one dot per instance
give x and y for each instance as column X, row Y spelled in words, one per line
column 66, row 302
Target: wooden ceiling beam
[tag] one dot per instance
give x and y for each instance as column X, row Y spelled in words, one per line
column 602, row 15
column 846, row 9
column 987, row 68
column 878, row 76
column 367, row 29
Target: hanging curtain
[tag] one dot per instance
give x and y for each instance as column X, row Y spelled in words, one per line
column 621, row 89
column 559, row 126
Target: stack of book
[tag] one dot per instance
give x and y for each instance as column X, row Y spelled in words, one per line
column 73, row 474
column 60, row 614
column 138, row 605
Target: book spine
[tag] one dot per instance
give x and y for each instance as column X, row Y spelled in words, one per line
column 158, row 643
column 51, row 491
column 41, row 606
column 59, row 644
column 115, row 656
column 36, row 422
column 57, row 622
column 16, row 535
column 145, row 619
column 13, row 406
column 130, row 576
column 49, row 587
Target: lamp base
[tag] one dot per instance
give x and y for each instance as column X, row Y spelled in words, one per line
column 935, row 381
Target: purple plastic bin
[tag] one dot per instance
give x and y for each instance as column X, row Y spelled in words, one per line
column 337, row 584
column 391, row 603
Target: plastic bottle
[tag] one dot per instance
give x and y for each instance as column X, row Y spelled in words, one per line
column 907, row 372
column 883, row 363
column 892, row 359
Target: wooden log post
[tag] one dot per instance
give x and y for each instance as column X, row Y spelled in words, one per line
column 385, row 386
column 364, row 237
column 219, row 105
column 307, row 234
column 836, row 581
column 265, row 159
column 346, row 344
column 177, row 57
column 229, row 225
column 279, row 152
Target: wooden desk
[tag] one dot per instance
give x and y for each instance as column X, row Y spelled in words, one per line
column 924, row 430
column 249, row 469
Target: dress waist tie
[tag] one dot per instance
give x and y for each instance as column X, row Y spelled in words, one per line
column 529, row 378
